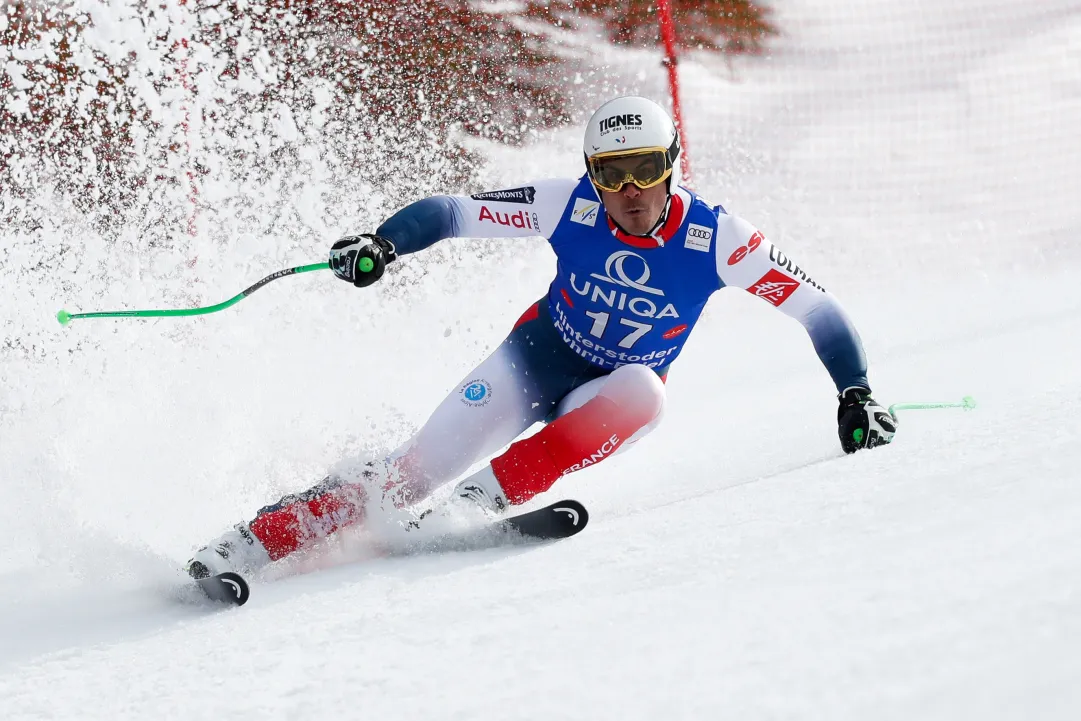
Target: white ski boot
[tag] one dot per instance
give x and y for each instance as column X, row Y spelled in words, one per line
column 476, row 499
column 482, row 490
column 237, row 550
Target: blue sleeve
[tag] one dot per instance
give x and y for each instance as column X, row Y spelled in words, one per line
column 422, row 224
column 838, row 345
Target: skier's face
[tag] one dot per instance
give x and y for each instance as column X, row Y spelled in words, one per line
column 634, row 209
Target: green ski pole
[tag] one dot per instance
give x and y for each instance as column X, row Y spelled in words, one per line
column 968, row 403
column 65, row 317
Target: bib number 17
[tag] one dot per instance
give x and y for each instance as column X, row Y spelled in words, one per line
column 600, row 322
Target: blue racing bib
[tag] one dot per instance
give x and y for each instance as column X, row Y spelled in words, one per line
column 615, row 303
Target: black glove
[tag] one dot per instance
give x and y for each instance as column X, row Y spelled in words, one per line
column 862, row 422
column 361, row 259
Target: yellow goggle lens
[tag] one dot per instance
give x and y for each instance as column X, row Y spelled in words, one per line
column 644, row 168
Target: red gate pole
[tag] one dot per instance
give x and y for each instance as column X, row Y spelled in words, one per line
column 668, row 36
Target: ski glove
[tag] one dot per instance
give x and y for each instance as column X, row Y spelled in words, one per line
column 361, row 259
column 862, row 422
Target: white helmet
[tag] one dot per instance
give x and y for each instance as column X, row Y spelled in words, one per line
column 631, row 125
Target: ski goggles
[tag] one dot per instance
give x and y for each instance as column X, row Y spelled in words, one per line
column 645, row 167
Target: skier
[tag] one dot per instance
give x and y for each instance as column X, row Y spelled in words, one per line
column 637, row 256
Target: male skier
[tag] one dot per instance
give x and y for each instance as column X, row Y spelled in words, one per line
column 637, row 257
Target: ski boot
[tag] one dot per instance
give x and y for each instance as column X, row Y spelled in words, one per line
column 481, row 490
column 237, row 550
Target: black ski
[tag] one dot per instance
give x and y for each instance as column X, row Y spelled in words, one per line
column 551, row 523
column 226, row 588
column 559, row 520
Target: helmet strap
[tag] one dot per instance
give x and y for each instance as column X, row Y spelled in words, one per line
column 663, row 217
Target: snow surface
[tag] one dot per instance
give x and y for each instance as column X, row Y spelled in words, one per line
column 922, row 161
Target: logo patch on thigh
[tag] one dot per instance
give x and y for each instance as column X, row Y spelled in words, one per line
column 477, row 392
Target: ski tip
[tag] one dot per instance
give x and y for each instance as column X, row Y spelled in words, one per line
column 557, row 520
column 576, row 514
column 226, row 587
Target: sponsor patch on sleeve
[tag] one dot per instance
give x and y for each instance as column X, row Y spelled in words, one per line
column 511, row 195
column 699, row 237
column 785, row 262
column 520, row 219
column 774, row 287
column 585, row 211
column 743, row 251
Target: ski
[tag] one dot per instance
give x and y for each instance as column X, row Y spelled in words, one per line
column 557, row 521
column 552, row 523
column 226, row 588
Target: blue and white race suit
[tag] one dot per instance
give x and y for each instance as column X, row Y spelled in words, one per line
column 617, row 301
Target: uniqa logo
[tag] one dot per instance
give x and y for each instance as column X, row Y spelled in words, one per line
column 615, row 269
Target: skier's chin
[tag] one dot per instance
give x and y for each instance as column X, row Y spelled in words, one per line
column 637, row 222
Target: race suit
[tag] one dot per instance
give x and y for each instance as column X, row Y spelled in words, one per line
column 590, row 358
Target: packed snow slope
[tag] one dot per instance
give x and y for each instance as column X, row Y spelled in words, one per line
column 921, row 161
